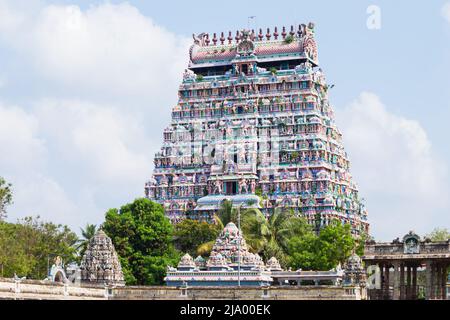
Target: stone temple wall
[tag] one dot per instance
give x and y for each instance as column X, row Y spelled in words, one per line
column 234, row 293
column 45, row 290
column 41, row 290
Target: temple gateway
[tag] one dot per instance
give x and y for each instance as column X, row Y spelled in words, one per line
column 253, row 124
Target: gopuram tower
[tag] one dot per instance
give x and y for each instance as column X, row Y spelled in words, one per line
column 254, row 125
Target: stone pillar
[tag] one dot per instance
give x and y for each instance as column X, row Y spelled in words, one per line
column 402, row 281
column 434, row 280
column 414, row 282
column 443, row 288
column 428, row 280
column 444, row 278
column 408, row 295
column 382, row 278
column 386, row 278
column 437, row 282
column 396, row 294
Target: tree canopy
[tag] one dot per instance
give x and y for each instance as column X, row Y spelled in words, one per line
column 143, row 238
column 190, row 234
column 6, row 197
column 29, row 246
column 439, row 234
column 333, row 245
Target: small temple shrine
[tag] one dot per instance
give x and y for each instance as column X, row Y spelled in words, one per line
column 254, row 125
column 100, row 263
column 230, row 263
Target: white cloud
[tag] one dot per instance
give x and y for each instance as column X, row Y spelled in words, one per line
column 24, row 161
column 83, row 138
column 446, row 11
column 107, row 49
column 70, row 161
column 20, row 147
column 9, row 18
column 404, row 183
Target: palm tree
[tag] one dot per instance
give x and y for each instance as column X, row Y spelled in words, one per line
column 87, row 234
column 282, row 226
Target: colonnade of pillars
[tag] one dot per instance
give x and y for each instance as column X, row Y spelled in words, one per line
column 405, row 276
column 436, row 280
column 405, row 281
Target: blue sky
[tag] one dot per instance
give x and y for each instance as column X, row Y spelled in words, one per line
column 82, row 81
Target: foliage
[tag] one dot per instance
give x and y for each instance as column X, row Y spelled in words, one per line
column 30, row 246
column 289, row 39
column 361, row 242
column 190, row 234
column 439, row 234
column 259, row 192
column 200, row 77
column 143, row 238
column 273, row 70
column 333, row 245
column 87, row 234
column 5, row 197
column 283, row 226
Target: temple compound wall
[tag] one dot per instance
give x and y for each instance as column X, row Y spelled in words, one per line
column 44, row 290
column 236, row 293
column 47, row 290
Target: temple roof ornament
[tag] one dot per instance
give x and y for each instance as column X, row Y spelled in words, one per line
column 273, row 264
column 411, row 243
column 100, row 263
column 246, row 47
column 186, row 261
column 247, row 44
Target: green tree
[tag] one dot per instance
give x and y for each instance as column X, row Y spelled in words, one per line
column 190, row 234
column 333, row 245
column 87, row 234
column 5, row 197
column 13, row 258
column 143, row 238
column 282, row 226
column 29, row 246
column 439, row 234
column 338, row 242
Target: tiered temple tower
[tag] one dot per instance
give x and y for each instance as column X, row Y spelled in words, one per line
column 100, row 263
column 254, row 125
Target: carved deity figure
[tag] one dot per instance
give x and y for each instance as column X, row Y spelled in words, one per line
column 217, row 186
